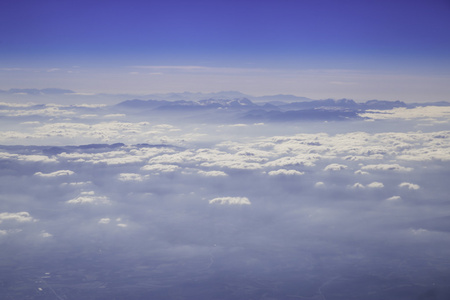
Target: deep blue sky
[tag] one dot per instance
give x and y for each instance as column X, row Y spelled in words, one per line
column 411, row 37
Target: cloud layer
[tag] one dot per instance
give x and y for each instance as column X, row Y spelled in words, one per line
column 138, row 206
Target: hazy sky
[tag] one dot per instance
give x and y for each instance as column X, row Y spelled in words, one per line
column 356, row 49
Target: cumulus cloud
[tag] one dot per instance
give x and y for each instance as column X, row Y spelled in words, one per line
column 130, row 177
column 20, row 217
column 359, row 172
column 55, row 174
column 89, row 198
column 394, row 198
column 319, row 184
column 79, row 183
column 375, row 185
column 358, row 186
column 386, row 167
column 285, row 172
column 230, row 201
column 410, row 186
column 160, row 168
column 104, row 221
column 212, row 173
column 335, row 167
column 45, row 234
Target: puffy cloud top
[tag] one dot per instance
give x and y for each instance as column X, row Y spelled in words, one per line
column 55, row 174
column 410, row 186
column 212, row 173
column 22, row 216
column 375, row 185
column 335, row 167
column 230, row 201
column 387, row 167
column 285, row 172
column 89, row 198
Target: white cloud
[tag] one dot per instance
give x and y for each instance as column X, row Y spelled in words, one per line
column 230, row 200
column 104, row 221
column 130, row 177
column 425, row 112
column 418, row 231
column 37, row 158
column 238, row 125
column 410, row 186
column 387, row 167
column 335, row 167
column 394, row 198
column 160, row 168
column 89, row 198
column 112, row 116
column 301, row 160
column 285, row 172
column 212, row 173
column 375, row 185
column 174, row 158
column 49, row 111
column 55, row 174
column 358, row 186
column 21, row 217
column 359, row 172
column 319, row 184
column 109, row 157
column 76, row 183
column 45, row 234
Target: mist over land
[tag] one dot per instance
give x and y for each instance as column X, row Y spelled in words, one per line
column 226, row 198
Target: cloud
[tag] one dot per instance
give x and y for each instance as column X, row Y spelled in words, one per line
column 410, row 186
column 104, row 221
column 45, row 234
column 303, row 160
column 358, row 186
column 230, row 201
column 130, row 177
column 375, row 185
column 212, row 173
column 335, row 167
column 319, row 184
column 386, row 167
column 359, row 172
column 55, row 174
column 164, row 175
column 160, row 168
column 285, row 172
column 89, row 198
column 425, row 112
column 18, row 217
column 419, row 231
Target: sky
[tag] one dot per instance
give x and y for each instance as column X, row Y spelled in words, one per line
column 393, row 50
